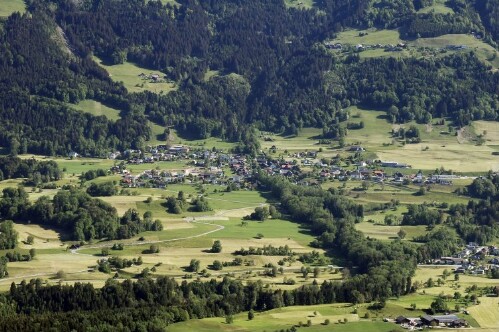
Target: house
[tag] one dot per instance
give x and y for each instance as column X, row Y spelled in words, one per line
column 312, row 154
column 446, row 320
column 73, row 155
column 356, row 175
column 428, row 320
column 402, row 320
column 458, row 323
column 389, row 164
column 356, row 148
column 454, row 260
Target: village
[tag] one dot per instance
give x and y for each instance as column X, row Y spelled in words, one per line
column 472, row 259
column 221, row 168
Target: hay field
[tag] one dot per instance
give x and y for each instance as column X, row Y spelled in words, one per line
column 487, row 313
column 96, row 108
column 45, row 238
column 128, row 73
column 373, row 37
column 437, row 7
column 7, row 7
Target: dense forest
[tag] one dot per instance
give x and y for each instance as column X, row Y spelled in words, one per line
column 273, row 70
column 34, row 171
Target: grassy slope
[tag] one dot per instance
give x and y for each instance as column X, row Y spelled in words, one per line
column 373, row 37
column 438, row 7
column 437, row 149
column 484, row 51
column 307, row 4
column 96, row 108
column 8, row 7
column 128, row 73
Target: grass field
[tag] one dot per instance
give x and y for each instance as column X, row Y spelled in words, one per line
column 382, row 232
column 483, row 50
column 437, row 149
column 487, row 313
column 96, row 108
column 207, row 143
column 438, row 7
column 128, row 73
column 171, row 2
column 8, row 7
column 285, row 318
column 307, row 4
column 373, row 37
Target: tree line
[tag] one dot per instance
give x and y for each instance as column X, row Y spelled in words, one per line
column 76, row 213
column 35, row 172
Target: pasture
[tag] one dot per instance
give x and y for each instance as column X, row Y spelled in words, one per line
column 96, row 108
column 437, row 7
column 128, row 73
column 426, row 47
column 7, row 7
column 438, row 147
column 372, row 37
column 302, row 4
column 484, row 51
column 176, row 138
column 383, row 232
column 284, row 318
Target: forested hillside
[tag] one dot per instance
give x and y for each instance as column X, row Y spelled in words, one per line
column 271, row 66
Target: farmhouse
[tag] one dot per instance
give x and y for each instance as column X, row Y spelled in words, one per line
column 444, row 320
column 356, row 148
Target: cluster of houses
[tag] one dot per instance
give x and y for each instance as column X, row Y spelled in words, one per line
column 469, row 259
column 207, row 166
column 153, row 77
column 412, row 323
column 362, row 47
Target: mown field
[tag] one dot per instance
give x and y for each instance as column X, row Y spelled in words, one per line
column 438, row 148
column 483, row 317
column 128, row 73
column 8, row 7
column 437, row 7
column 299, row 3
column 421, row 47
column 96, row 108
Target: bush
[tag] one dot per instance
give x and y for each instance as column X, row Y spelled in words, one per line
column 216, row 247
column 60, row 274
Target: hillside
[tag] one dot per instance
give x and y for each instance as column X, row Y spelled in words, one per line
column 249, row 165
column 157, row 56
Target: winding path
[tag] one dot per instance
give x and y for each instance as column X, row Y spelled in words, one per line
column 138, row 243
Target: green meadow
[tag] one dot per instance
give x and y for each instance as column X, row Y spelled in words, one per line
column 7, row 7
column 96, row 108
column 437, row 7
column 128, row 73
column 302, row 4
